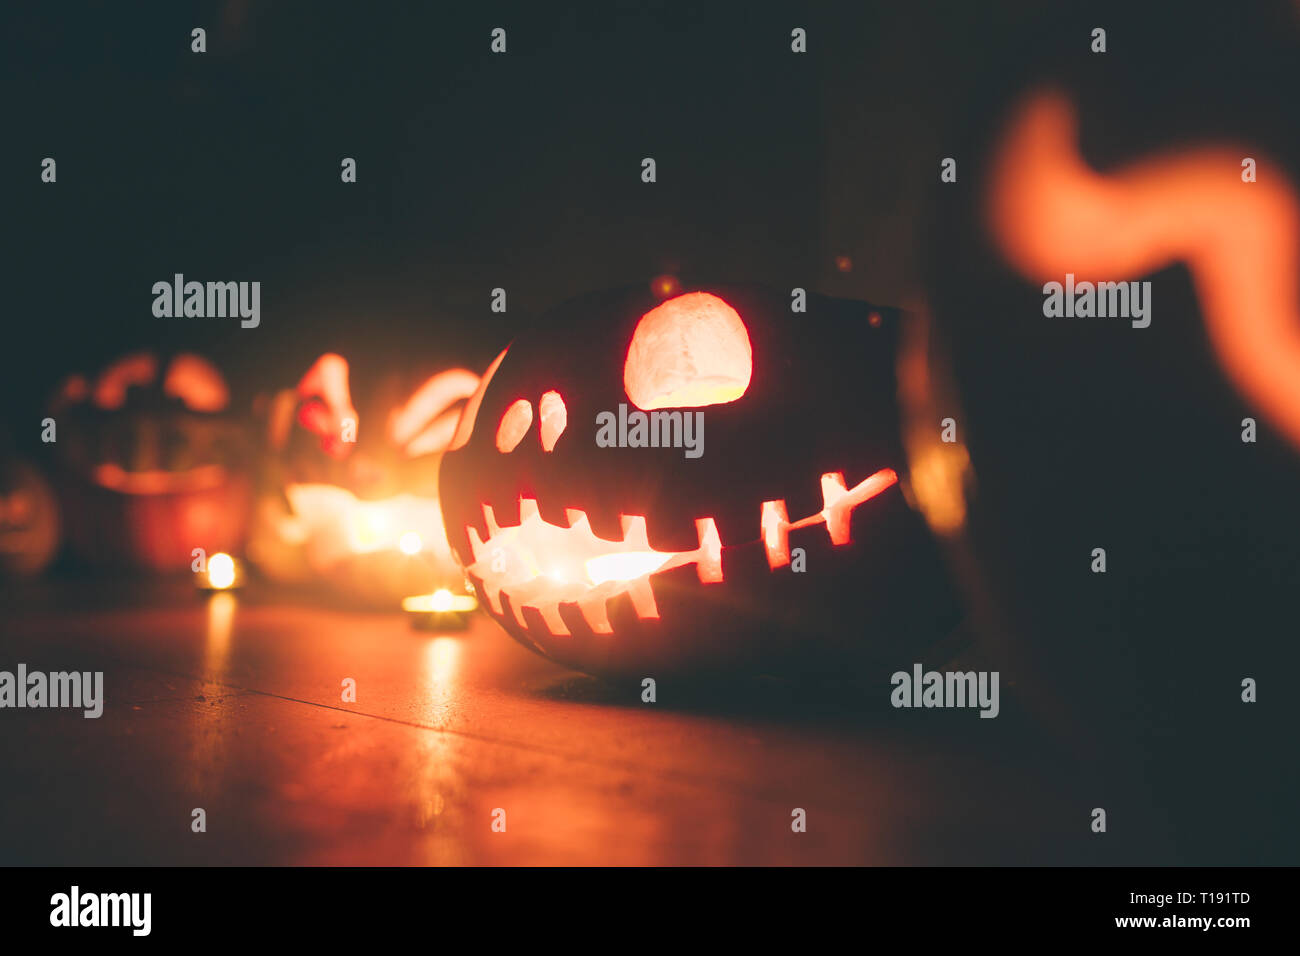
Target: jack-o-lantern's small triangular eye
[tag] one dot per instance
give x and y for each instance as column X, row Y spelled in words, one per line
column 514, row 425
column 688, row 352
column 469, row 415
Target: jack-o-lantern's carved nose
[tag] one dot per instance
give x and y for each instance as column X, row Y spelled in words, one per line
column 514, row 425
column 554, row 417
column 688, row 352
column 518, row 418
column 469, row 415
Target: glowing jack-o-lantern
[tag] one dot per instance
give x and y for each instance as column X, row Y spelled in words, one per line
column 154, row 466
column 352, row 506
column 706, row 484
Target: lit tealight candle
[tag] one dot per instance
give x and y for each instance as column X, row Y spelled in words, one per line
column 222, row 573
column 440, row 611
column 439, row 602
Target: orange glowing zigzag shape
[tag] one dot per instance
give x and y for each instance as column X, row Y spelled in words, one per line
column 1050, row 213
column 541, row 566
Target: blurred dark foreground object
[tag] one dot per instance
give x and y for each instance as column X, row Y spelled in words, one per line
column 1127, row 541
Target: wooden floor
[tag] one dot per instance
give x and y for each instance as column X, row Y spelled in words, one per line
column 235, row 706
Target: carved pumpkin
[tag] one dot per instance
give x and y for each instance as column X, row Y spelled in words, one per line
column 785, row 545
column 152, row 465
column 352, row 505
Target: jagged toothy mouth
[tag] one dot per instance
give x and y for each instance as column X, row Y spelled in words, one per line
column 542, row 566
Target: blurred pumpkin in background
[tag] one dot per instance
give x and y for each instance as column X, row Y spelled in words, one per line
column 350, row 505
column 29, row 519
column 151, row 463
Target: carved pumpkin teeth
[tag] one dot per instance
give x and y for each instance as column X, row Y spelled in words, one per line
column 490, row 518
column 634, row 532
column 605, row 524
column 709, row 565
column 834, row 512
column 596, row 614
column 541, row 566
column 775, row 524
column 643, row 599
column 838, row 502
column 551, row 616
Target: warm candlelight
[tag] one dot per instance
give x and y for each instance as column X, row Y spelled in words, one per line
column 442, row 610
column 222, row 573
column 441, row 601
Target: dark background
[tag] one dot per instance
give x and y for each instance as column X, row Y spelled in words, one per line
column 474, row 170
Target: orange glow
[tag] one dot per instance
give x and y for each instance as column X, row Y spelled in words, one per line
column 197, row 383
column 665, row 285
column 137, row 369
column 220, row 625
column 542, row 566
column 938, row 472
column 157, row 482
column 439, row 602
column 775, row 523
column 335, row 525
column 624, row 566
column 221, row 571
column 327, row 403
column 838, row 503
column 554, row 418
column 436, row 437
column 709, row 564
column 71, row 390
column 1051, row 214
column 326, row 526
column 515, row 423
column 689, row 352
column 428, row 419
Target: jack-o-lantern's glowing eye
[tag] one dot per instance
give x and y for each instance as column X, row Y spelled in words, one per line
column 514, row 425
column 688, row 352
column 554, row 417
